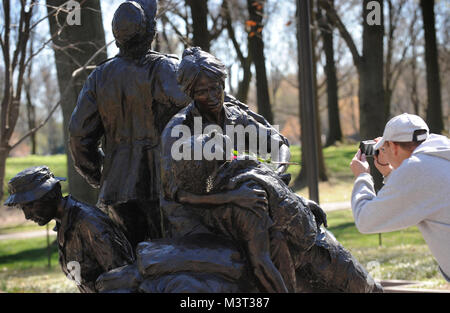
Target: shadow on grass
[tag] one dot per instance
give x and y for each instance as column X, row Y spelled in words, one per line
column 31, row 255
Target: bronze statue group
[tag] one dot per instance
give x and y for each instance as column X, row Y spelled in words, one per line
column 161, row 224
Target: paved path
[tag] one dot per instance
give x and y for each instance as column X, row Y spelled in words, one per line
column 333, row 206
column 28, row 234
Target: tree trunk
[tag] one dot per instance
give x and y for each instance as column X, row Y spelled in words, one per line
column 414, row 95
column 244, row 84
column 199, row 13
column 73, row 47
column 371, row 90
column 434, row 109
column 31, row 116
column 314, row 39
column 14, row 70
column 31, row 110
column 334, row 124
column 256, row 50
column 4, row 153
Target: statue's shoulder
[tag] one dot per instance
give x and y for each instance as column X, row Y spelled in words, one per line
column 158, row 57
column 82, row 214
column 236, row 108
column 109, row 60
column 179, row 118
column 231, row 101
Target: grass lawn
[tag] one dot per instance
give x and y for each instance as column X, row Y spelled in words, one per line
column 403, row 254
column 339, row 186
column 24, row 267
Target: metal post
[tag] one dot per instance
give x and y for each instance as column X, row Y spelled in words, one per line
column 307, row 101
column 49, row 253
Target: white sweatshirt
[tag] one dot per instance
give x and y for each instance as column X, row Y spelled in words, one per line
column 416, row 193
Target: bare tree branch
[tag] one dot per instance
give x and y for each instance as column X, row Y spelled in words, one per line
column 7, row 90
column 218, row 27
column 231, row 33
column 334, row 17
column 182, row 38
column 68, row 86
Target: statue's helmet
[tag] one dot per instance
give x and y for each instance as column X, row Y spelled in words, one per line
column 129, row 22
column 150, row 8
column 30, row 185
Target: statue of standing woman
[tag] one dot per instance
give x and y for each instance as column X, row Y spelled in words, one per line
column 127, row 100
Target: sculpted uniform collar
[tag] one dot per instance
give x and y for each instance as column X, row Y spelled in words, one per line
column 66, row 221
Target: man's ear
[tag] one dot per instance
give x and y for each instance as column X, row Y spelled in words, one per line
column 395, row 148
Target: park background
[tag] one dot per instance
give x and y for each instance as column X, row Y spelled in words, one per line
column 363, row 75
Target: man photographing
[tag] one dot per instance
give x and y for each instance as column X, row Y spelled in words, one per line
column 416, row 170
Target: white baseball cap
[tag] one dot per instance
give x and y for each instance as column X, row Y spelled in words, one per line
column 402, row 128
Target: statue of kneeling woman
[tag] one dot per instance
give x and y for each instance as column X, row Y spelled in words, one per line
column 243, row 199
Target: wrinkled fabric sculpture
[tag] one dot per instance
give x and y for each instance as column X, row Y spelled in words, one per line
column 127, row 100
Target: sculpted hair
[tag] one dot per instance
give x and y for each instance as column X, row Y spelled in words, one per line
column 138, row 46
column 194, row 62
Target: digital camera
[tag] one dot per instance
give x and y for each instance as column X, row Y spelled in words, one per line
column 366, row 148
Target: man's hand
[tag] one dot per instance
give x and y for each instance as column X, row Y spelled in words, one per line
column 359, row 164
column 381, row 162
column 382, row 166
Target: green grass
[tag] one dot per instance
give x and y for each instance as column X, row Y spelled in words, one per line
column 57, row 164
column 27, row 226
column 41, row 280
column 29, row 253
column 24, row 267
column 337, row 159
column 403, row 254
column 342, row 225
